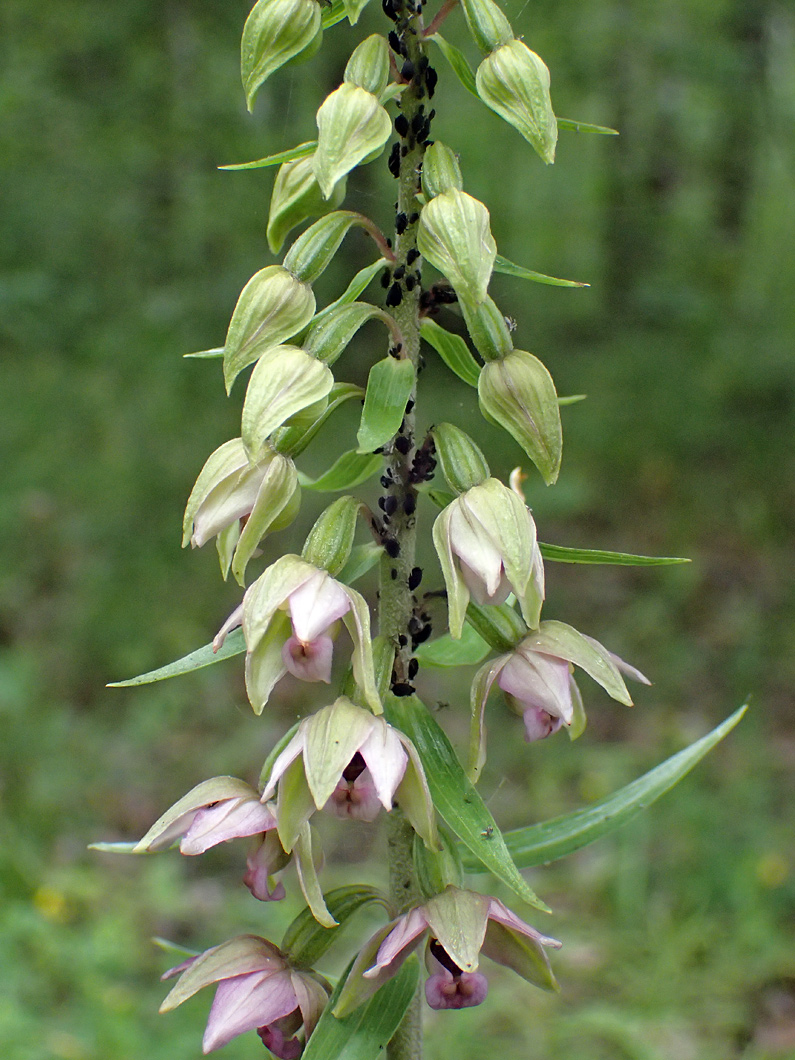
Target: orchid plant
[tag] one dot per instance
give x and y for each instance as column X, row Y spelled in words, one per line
column 373, row 748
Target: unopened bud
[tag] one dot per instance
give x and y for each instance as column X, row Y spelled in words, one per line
column 455, row 237
column 514, row 82
column 275, row 32
column 517, row 393
column 368, row 67
column 272, row 307
column 314, row 249
column 330, row 540
column 296, row 197
column 461, row 461
column 487, row 24
column 498, row 624
column 353, row 127
column 440, row 170
column 487, row 328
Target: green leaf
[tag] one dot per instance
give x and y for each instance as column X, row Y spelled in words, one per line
column 389, row 387
column 291, row 155
column 172, row 947
column 205, row 355
column 363, row 278
column 453, row 350
column 349, row 470
column 468, row 650
column 572, row 399
column 196, row 660
column 584, row 126
column 117, row 848
column 365, row 1033
column 362, row 559
column 550, row 840
column 458, row 64
column 507, row 268
column 562, row 554
column 454, row 797
column 306, row 941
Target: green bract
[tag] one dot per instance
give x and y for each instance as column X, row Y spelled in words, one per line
column 454, row 235
column 514, row 82
column 272, row 307
column 517, row 393
column 352, row 127
column 296, row 197
column 275, row 32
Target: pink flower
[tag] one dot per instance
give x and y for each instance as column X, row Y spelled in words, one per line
column 257, row 990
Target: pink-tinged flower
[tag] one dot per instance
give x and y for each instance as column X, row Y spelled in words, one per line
column 537, row 680
column 265, row 859
column 458, row 925
column 239, row 501
column 487, row 548
column 289, row 617
column 257, row 990
column 348, row 761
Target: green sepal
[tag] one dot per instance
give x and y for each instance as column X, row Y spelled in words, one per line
column 507, row 268
column 308, row 878
column 276, row 750
column 313, row 251
column 330, row 540
column 437, row 869
column 195, row 660
column 389, row 387
column 499, row 625
column 352, row 126
column 487, row 24
column 349, row 470
column 305, row 941
column 461, row 460
column 517, row 393
column 368, row 66
column 440, row 170
column 293, row 440
column 455, row 237
column 330, row 334
column 487, row 328
column 206, row 793
column 514, row 82
column 452, row 349
column 272, row 307
column 277, row 504
column 454, row 797
column 275, row 32
column 562, row 641
column 296, row 197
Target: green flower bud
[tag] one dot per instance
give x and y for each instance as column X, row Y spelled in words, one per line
column 517, row 393
column 487, row 328
column 487, row 24
column 314, row 250
column 272, row 307
column 462, row 462
column 455, row 237
column 296, row 197
column 440, row 171
column 498, row 624
column 352, row 127
column 514, row 82
column 368, row 67
column 330, row 540
column 275, row 32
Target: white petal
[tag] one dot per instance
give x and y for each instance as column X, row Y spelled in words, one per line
column 386, row 759
column 539, row 681
column 315, row 605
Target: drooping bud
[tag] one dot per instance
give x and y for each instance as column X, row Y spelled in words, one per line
column 455, row 237
column 296, row 197
column 368, row 66
column 514, row 82
column 286, row 381
column 487, row 328
column 330, row 540
column 440, row 171
column 275, row 32
column 353, row 127
column 517, row 393
column 462, row 462
column 272, row 307
column 487, row 24
column 315, row 248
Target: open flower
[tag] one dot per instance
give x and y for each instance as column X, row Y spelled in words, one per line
column 289, row 617
column 239, row 502
column 537, row 679
column 257, row 989
column 487, row 547
column 459, row 925
column 347, row 760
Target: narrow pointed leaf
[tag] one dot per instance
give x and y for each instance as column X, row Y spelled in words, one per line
column 562, row 554
column 306, row 941
column 584, row 126
column 117, row 848
column 389, row 387
column 507, row 268
column 347, row 471
column 196, row 660
column 453, row 350
column 571, row 399
column 468, row 650
column 365, row 1033
column 550, row 840
column 291, row 155
column 360, row 282
column 173, row 947
column 458, row 64
column 205, row 355
column 454, row 797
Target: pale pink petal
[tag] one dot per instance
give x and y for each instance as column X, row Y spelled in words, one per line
column 310, row 660
column 503, row 915
column 357, row 799
column 479, row 589
column 312, row 997
column 539, row 681
column 228, row 819
column 245, row 1002
column 476, row 551
column 315, row 605
column 386, row 759
column 443, row 990
column 538, row 724
column 234, row 620
column 408, row 930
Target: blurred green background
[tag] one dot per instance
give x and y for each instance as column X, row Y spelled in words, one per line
column 123, row 247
